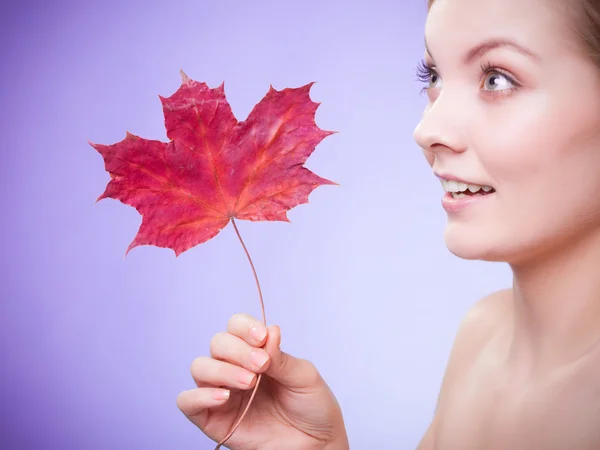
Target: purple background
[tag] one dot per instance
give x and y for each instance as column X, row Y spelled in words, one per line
column 95, row 346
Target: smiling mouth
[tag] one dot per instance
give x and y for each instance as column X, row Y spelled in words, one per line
column 460, row 190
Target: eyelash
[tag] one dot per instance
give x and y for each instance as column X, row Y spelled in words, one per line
column 425, row 72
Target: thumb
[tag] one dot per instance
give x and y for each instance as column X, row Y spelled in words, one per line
column 286, row 369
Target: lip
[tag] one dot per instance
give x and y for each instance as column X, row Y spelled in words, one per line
column 454, row 205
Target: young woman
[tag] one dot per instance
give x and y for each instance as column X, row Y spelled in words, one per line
column 512, row 130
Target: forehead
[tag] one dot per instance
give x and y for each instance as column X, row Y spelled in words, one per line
column 541, row 25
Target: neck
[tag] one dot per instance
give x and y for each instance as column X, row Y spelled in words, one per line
column 556, row 302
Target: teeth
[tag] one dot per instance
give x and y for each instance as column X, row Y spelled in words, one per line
column 457, row 186
column 459, row 195
column 451, row 186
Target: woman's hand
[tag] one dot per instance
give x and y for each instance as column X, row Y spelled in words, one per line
column 293, row 407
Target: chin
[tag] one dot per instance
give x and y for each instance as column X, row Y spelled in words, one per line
column 515, row 247
column 476, row 245
column 469, row 250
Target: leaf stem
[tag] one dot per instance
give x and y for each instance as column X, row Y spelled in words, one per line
column 262, row 306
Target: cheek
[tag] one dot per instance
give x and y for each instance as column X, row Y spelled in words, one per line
column 529, row 154
column 512, row 139
column 545, row 168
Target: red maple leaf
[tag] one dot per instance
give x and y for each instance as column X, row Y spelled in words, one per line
column 215, row 168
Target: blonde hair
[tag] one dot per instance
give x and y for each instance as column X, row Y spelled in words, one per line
column 587, row 26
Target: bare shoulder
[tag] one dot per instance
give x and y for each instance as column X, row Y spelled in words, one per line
column 483, row 317
column 474, row 331
column 480, row 322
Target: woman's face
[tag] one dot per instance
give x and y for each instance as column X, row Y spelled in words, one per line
column 514, row 103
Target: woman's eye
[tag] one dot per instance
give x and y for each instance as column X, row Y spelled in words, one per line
column 495, row 81
column 434, row 79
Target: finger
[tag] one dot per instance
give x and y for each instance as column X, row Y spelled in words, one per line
column 292, row 372
column 230, row 348
column 211, row 372
column 247, row 328
column 194, row 401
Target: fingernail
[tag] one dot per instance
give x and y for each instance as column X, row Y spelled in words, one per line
column 258, row 333
column 221, row 394
column 259, row 358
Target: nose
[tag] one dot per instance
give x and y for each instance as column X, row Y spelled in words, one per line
column 442, row 127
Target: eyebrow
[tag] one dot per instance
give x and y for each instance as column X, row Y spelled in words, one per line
column 481, row 49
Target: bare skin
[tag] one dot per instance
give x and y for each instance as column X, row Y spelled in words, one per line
column 513, row 105
column 488, row 402
column 293, row 408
